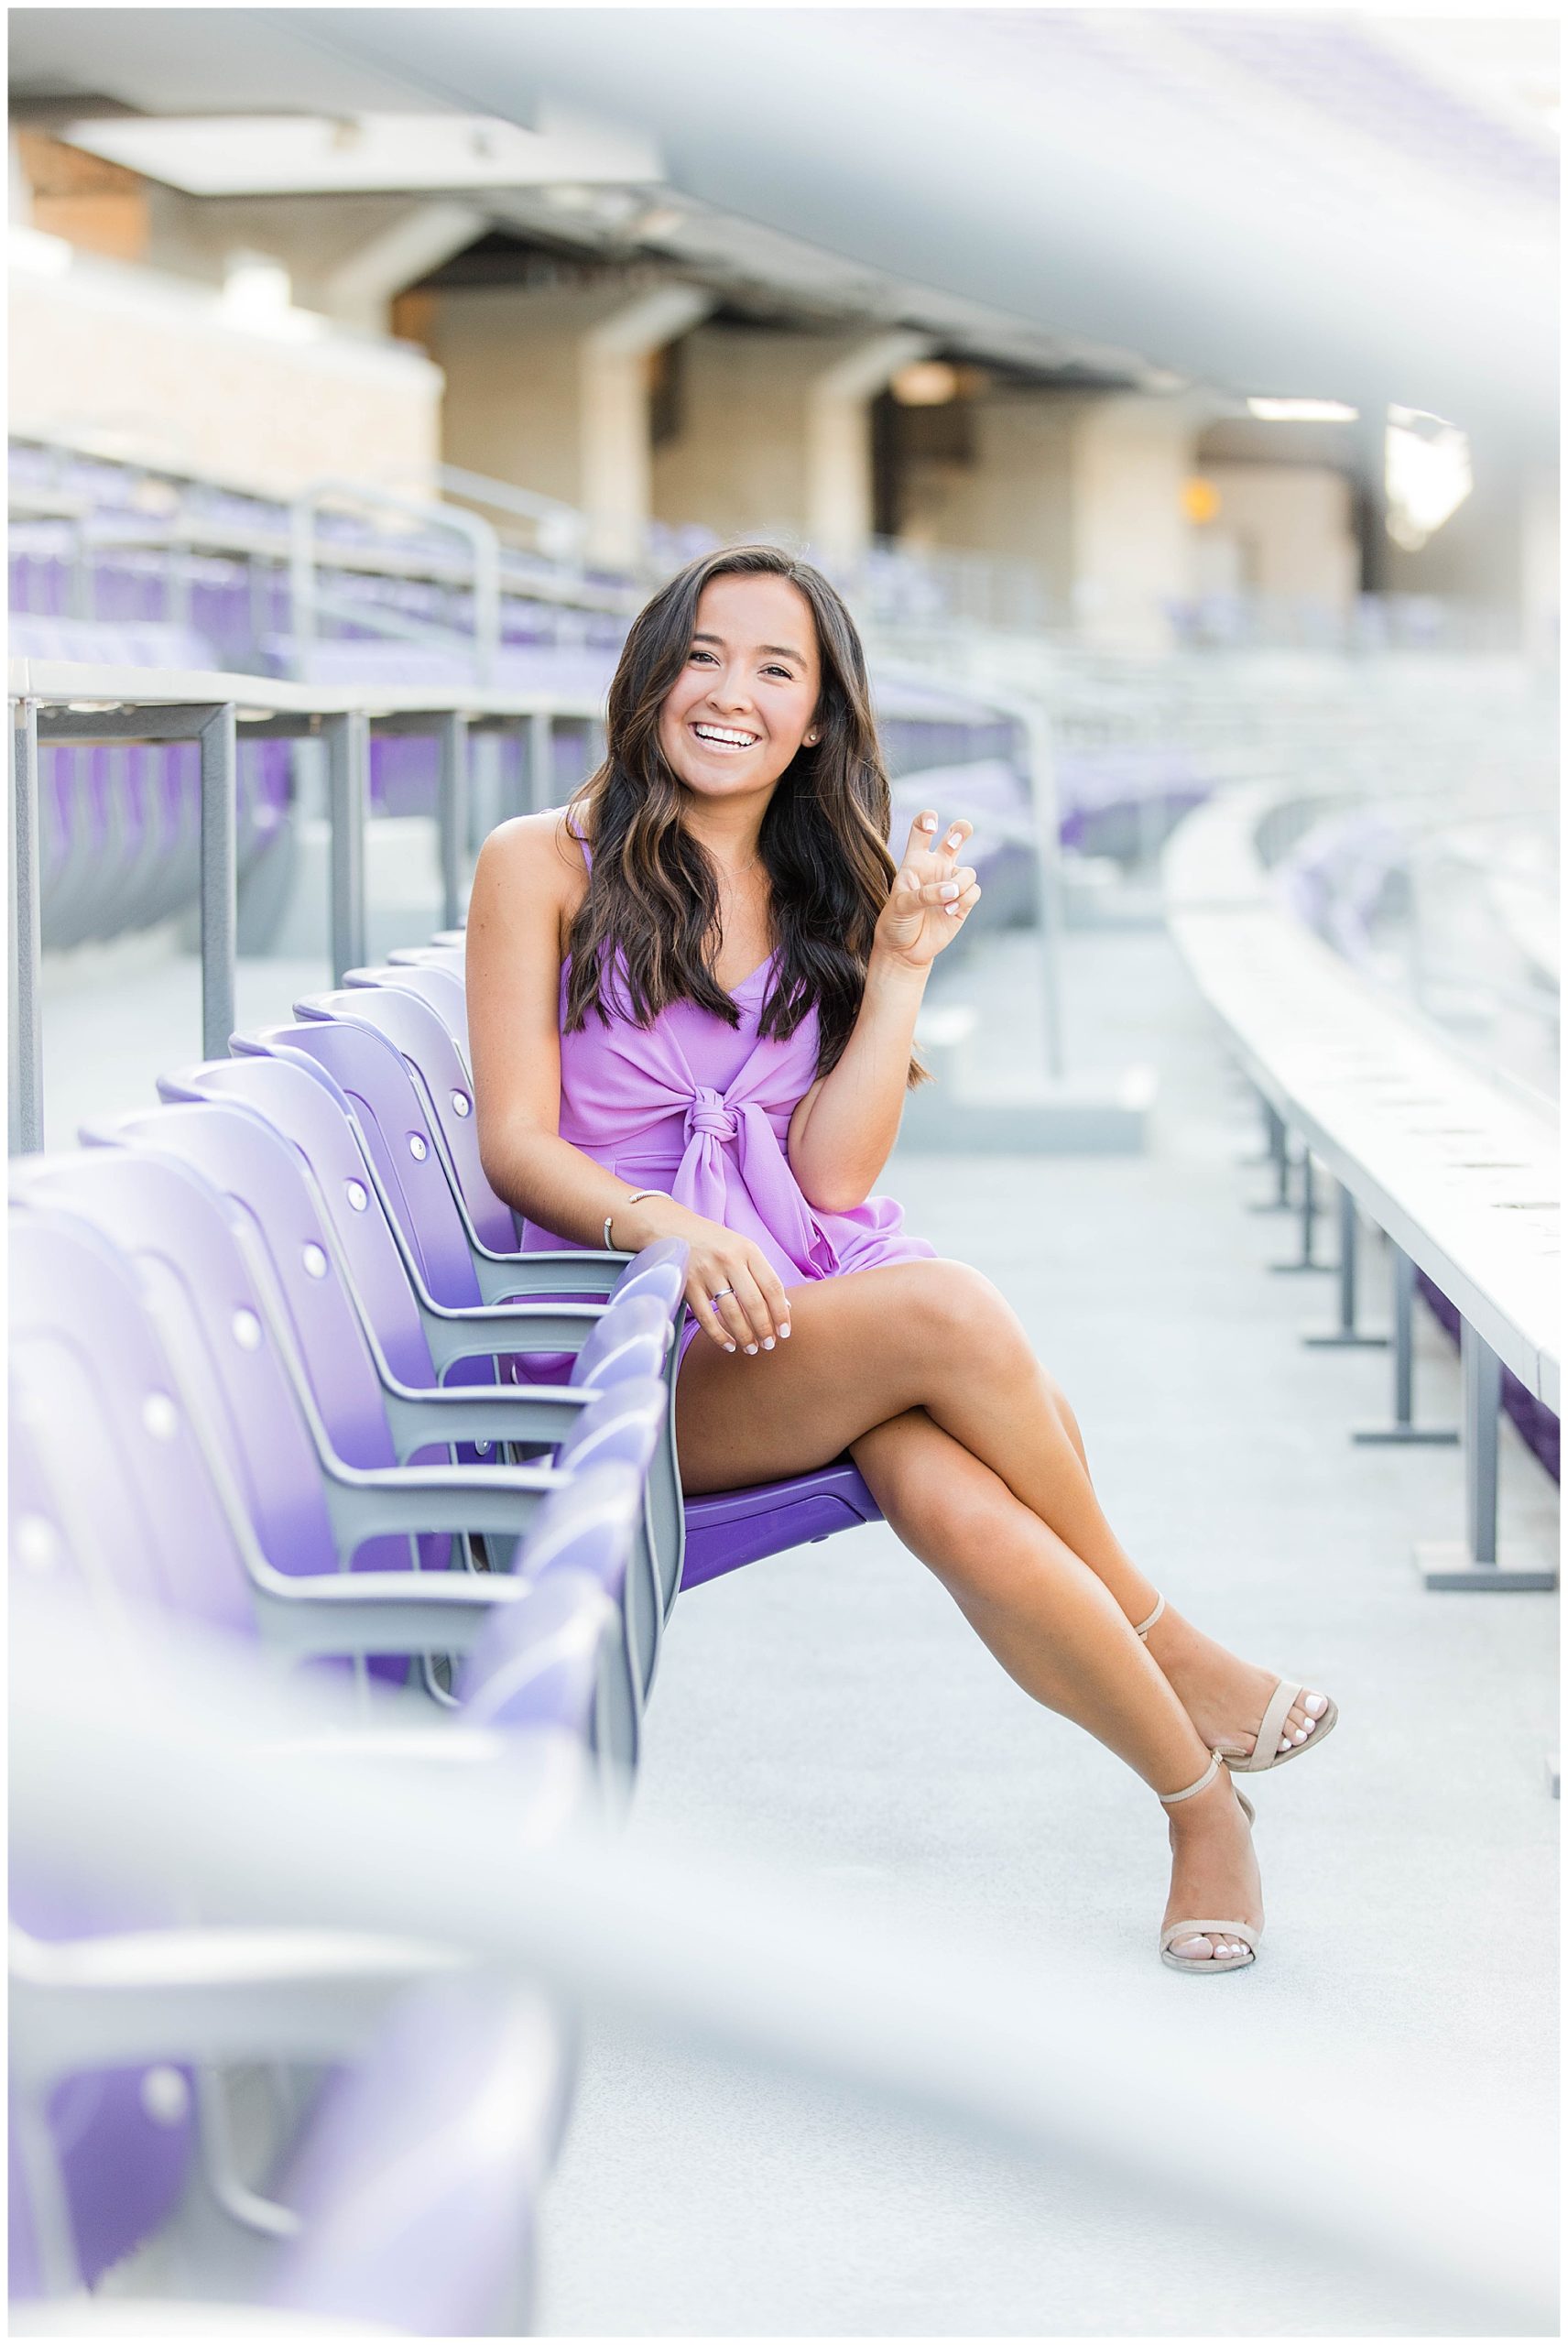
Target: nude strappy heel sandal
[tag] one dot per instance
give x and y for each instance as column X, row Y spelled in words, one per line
column 1242, row 1930
column 1282, row 1702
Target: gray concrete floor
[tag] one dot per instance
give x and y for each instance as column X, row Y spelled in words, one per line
column 829, row 1713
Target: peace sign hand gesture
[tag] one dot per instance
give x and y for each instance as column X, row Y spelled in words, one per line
column 932, row 897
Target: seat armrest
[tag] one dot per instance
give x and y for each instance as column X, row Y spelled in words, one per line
column 208, row 1996
column 472, row 1331
column 500, row 1414
column 500, row 1499
column 502, row 1277
column 354, row 1613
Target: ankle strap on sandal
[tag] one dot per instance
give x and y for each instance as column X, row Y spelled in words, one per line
column 1172, row 1799
column 1143, row 1627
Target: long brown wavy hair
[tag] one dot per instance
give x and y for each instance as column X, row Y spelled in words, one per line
column 648, row 927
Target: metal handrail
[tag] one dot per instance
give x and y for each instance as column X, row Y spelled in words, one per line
column 561, row 529
column 479, row 535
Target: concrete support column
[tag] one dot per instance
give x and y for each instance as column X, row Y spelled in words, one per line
column 615, row 466
column 774, row 434
column 1131, row 541
column 838, row 440
column 548, row 388
column 358, row 291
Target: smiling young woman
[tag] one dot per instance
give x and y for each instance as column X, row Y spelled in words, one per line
column 692, row 999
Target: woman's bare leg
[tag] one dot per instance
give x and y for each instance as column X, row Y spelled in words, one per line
column 937, row 1336
column 1055, row 1628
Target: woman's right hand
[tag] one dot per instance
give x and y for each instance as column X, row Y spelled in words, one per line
column 755, row 1311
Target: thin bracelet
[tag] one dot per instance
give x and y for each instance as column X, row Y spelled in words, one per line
column 635, row 1200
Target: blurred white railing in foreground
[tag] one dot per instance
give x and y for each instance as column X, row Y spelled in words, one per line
column 180, row 1765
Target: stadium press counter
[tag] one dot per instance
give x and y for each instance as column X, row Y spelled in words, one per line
column 72, row 702
column 1461, row 1173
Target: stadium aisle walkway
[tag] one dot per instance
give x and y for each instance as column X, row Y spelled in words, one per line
column 830, row 1710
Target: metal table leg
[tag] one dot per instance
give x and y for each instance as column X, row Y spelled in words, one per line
column 1346, row 1335
column 1279, row 1153
column 1307, row 1259
column 541, row 760
column 220, row 885
column 25, row 1120
column 1472, row 1563
column 1403, row 1430
column 348, row 806
column 451, row 815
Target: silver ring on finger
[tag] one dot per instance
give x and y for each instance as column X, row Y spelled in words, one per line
column 721, row 1294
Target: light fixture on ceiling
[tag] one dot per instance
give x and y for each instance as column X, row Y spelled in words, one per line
column 1273, row 410
column 1200, row 501
column 1426, row 474
column 925, row 382
column 663, row 220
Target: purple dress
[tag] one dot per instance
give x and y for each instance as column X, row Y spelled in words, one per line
column 702, row 1109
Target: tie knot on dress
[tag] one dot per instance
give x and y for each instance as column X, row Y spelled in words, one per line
column 708, row 1114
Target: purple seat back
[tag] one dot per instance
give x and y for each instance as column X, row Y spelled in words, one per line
column 394, row 1125
column 419, row 2183
column 413, row 1028
column 429, row 956
column 174, row 1227
column 620, row 1425
column 301, row 1101
column 269, row 1193
column 130, row 1499
column 551, row 1652
column 442, row 988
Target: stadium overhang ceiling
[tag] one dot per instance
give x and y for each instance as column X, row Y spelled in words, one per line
column 1358, row 208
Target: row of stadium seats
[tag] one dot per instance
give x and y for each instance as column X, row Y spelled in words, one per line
column 279, row 1369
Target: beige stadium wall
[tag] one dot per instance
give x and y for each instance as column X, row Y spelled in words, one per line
column 739, row 463
column 1015, row 498
column 1294, row 528
column 111, row 349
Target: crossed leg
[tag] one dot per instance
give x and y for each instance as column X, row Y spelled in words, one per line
column 924, row 1371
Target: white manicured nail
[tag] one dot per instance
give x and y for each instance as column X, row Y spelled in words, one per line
column 768, row 1343
column 951, row 911
column 783, row 1331
column 949, row 889
column 729, row 1347
column 928, row 822
column 1316, row 1704
column 750, row 1349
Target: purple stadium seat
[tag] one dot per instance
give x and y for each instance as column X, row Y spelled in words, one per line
column 724, row 1530
column 417, row 1031
column 271, row 1400
column 442, row 988
column 421, row 1339
column 113, row 1493
column 420, row 2175
column 370, row 1416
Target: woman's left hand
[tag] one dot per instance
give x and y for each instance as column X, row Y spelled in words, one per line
column 932, row 897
